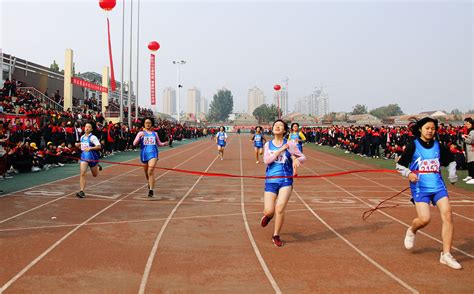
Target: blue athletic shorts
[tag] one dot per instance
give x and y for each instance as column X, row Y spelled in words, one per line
column 432, row 197
column 90, row 163
column 275, row 187
column 221, row 144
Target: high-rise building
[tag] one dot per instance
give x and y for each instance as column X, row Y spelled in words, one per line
column 316, row 104
column 194, row 100
column 304, row 105
column 204, row 105
column 323, row 105
column 169, row 101
column 256, row 97
column 281, row 100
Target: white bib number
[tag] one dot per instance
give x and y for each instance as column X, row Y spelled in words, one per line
column 84, row 146
column 149, row 141
column 429, row 165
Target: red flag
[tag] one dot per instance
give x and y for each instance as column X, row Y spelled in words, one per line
column 112, row 75
column 152, row 79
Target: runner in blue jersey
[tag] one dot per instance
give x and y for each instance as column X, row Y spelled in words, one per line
column 282, row 158
column 420, row 163
column 149, row 142
column 221, row 140
column 297, row 136
column 90, row 146
column 258, row 140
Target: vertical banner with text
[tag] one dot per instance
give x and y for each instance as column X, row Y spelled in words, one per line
column 152, row 79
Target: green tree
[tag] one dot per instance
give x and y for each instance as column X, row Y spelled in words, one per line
column 456, row 112
column 359, row 109
column 54, row 66
column 265, row 113
column 386, row 111
column 221, row 106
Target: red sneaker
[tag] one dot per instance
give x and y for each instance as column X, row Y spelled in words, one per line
column 265, row 220
column 276, row 240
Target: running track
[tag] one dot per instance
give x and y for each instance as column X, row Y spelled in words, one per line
column 203, row 235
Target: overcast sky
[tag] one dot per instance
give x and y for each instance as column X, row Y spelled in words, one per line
column 416, row 54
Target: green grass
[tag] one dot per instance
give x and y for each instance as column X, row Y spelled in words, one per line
column 383, row 163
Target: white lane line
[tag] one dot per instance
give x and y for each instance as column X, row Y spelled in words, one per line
column 57, row 199
column 57, row 243
column 142, row 220
column 376, row 264
column 93, row 185
column 264, row 266
column 468, row 218
column 154, row 249
column 371, row 166
column 380, row 211
column 40, row 185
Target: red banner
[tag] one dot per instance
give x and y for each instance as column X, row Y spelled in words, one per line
column 112, row 75
column 23, row 118
column 85, row 84
column 152, row 79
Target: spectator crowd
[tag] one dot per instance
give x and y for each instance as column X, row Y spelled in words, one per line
column 34, row 137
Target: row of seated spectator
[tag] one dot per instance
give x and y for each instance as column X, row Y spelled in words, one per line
column 49, row 140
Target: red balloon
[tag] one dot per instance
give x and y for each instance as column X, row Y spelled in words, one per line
column 107, row 4
column 154, row 46
column 277, row 87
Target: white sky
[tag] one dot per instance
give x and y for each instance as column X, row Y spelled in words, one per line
column 416, row 54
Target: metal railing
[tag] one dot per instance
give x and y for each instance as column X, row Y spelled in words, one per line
column 12, row 63
column 48, row 102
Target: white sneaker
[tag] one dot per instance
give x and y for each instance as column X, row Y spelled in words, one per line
column 35, row 169
column 409, row 239
column 257, row 162
column 470, row 182
column 448, row 259
column 467, row 179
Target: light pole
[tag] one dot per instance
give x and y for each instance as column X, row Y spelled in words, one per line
column 121, row 68
column 277, row 88
column 138, row 58
column 178, row 85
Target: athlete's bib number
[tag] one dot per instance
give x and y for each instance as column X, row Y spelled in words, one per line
column 281, row 158
column 429, row 165
column 84, row 146
column 149, row 141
